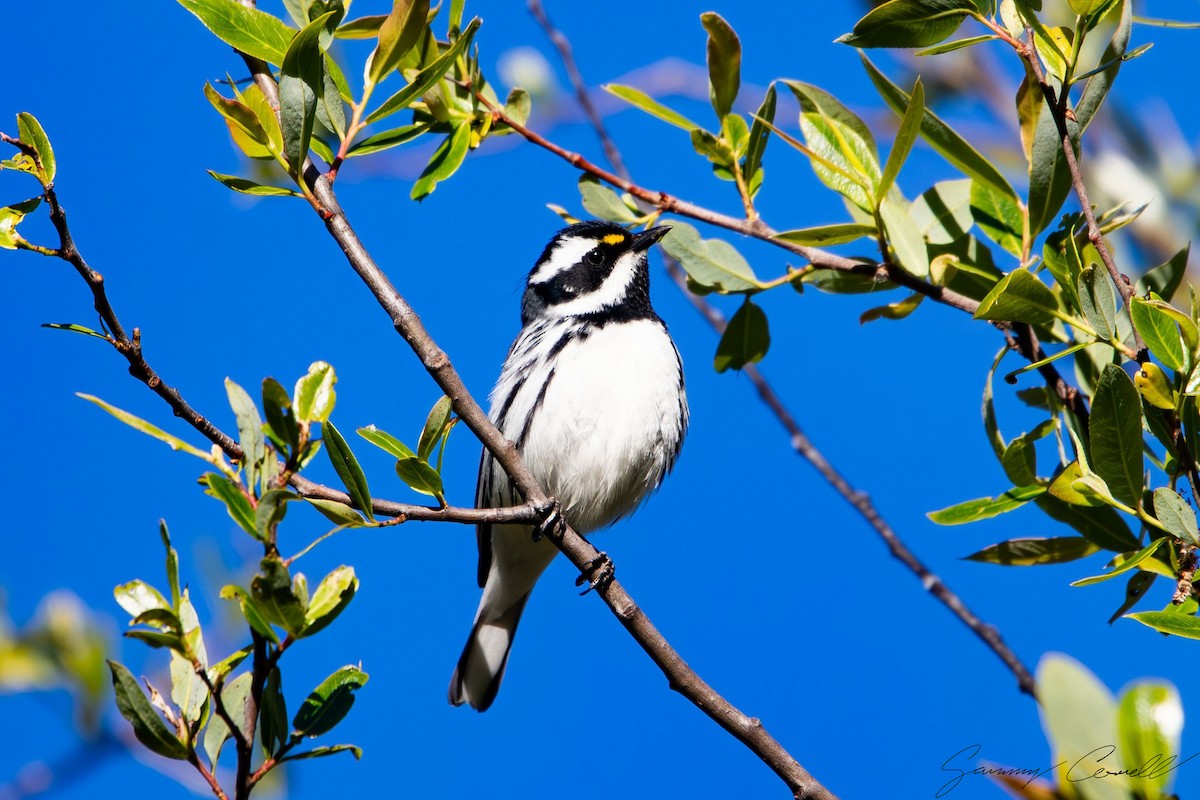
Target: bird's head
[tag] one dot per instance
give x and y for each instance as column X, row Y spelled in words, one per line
column 591, row 268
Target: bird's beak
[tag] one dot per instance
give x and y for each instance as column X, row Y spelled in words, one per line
column 644, row 240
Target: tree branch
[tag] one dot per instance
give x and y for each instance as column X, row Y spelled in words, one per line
column 1057, row 102
column 799, row 440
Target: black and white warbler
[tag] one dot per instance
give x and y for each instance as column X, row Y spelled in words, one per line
column 592, row 395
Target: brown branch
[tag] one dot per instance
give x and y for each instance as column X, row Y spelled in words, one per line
column 1057, row 102
column 578, row 550
column 206, row 773
column 799, row 440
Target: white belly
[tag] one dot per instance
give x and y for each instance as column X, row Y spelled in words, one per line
column 609, row 424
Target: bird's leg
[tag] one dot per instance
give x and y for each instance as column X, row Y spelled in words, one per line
column 597, row 573
column 552, row 521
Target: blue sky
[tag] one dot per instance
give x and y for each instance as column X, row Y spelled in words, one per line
column 765, row 581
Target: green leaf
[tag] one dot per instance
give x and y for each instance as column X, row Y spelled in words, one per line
column 904, row 237
column 255, row 617
column 188, row 691
column 361, row 28
column 138, row 597
column 281, row 422
column 941, row 137
column 331, row 598
column 1135, row 589
column 760, row 135
column 1078, row 712
column 1122, row 563
column 331, row 114
column 328, row 750
column 269, row 512
column 943, row 213
column 139, row 424
column 30, row 132
column 235, row 696
column 999, row 216
column 275, row 596
column 1049, row 177
column 314, row 397
column 1063, row 487
column 957, row 44
column 745, row 340
column 235, row 500
column 71, row 326
column 827, row 235
column 398, row 34
column 1019, row 297
column 273, row 729
column 445, row 162
column 909, row 23
column 1097, row 300
column 1020, row 458
column 1033, row 551
column 1176, row 516
column 253, row 32
column 247, row 186
column 815, row 100
column 1170, row 623
column 603, row 202
column 842, row 160
column 172, row 563
column 651, row 106
column 906, row 136
column 419, row 475
column 1166, row 278
column 337, row 513
column 347, row 468
column 892, row 311
column 1097, row 87
column 435, row 425
column 1159, row 331
column 301, row 81
column 1116, row 435
column 709, row 262
column 250, row 435
column 148, row 726
column 724, row 55
column 985, row 507
column 241, row 119
column 1149, row 722
column 388, row 139
column 329, row 703
column 427, row 78
column 386, row 442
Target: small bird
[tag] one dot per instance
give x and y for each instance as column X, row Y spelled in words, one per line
column 592, row 395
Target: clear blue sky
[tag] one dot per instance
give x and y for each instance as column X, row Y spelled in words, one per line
column 765, row 581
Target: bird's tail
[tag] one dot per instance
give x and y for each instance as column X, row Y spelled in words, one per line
column 476, row 679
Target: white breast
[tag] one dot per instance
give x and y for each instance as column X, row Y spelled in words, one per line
column 608, row 424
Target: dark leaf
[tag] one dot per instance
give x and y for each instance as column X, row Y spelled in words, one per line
column 148, row 726
column 745, row 340
column 347, row 468
column 329, row 703
column 1033, row 551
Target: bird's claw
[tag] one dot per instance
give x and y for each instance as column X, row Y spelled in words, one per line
column 597, row 573
column 552, row 521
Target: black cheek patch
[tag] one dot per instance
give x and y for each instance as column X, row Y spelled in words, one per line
column 581, row 279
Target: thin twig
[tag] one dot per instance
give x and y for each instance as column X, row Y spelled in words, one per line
column 799, row 440
column 1057, row 103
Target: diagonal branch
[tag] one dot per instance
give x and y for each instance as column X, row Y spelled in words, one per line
column 799, row 440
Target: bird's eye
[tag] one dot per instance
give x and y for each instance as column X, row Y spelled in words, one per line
column 595, row 257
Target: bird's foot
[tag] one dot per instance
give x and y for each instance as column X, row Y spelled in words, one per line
column 597, row 573
column 552, row 521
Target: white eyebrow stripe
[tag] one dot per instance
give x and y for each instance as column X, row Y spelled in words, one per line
column 566, row 254
column 609, row 293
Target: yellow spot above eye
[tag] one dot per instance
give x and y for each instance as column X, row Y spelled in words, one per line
column 614, row 238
